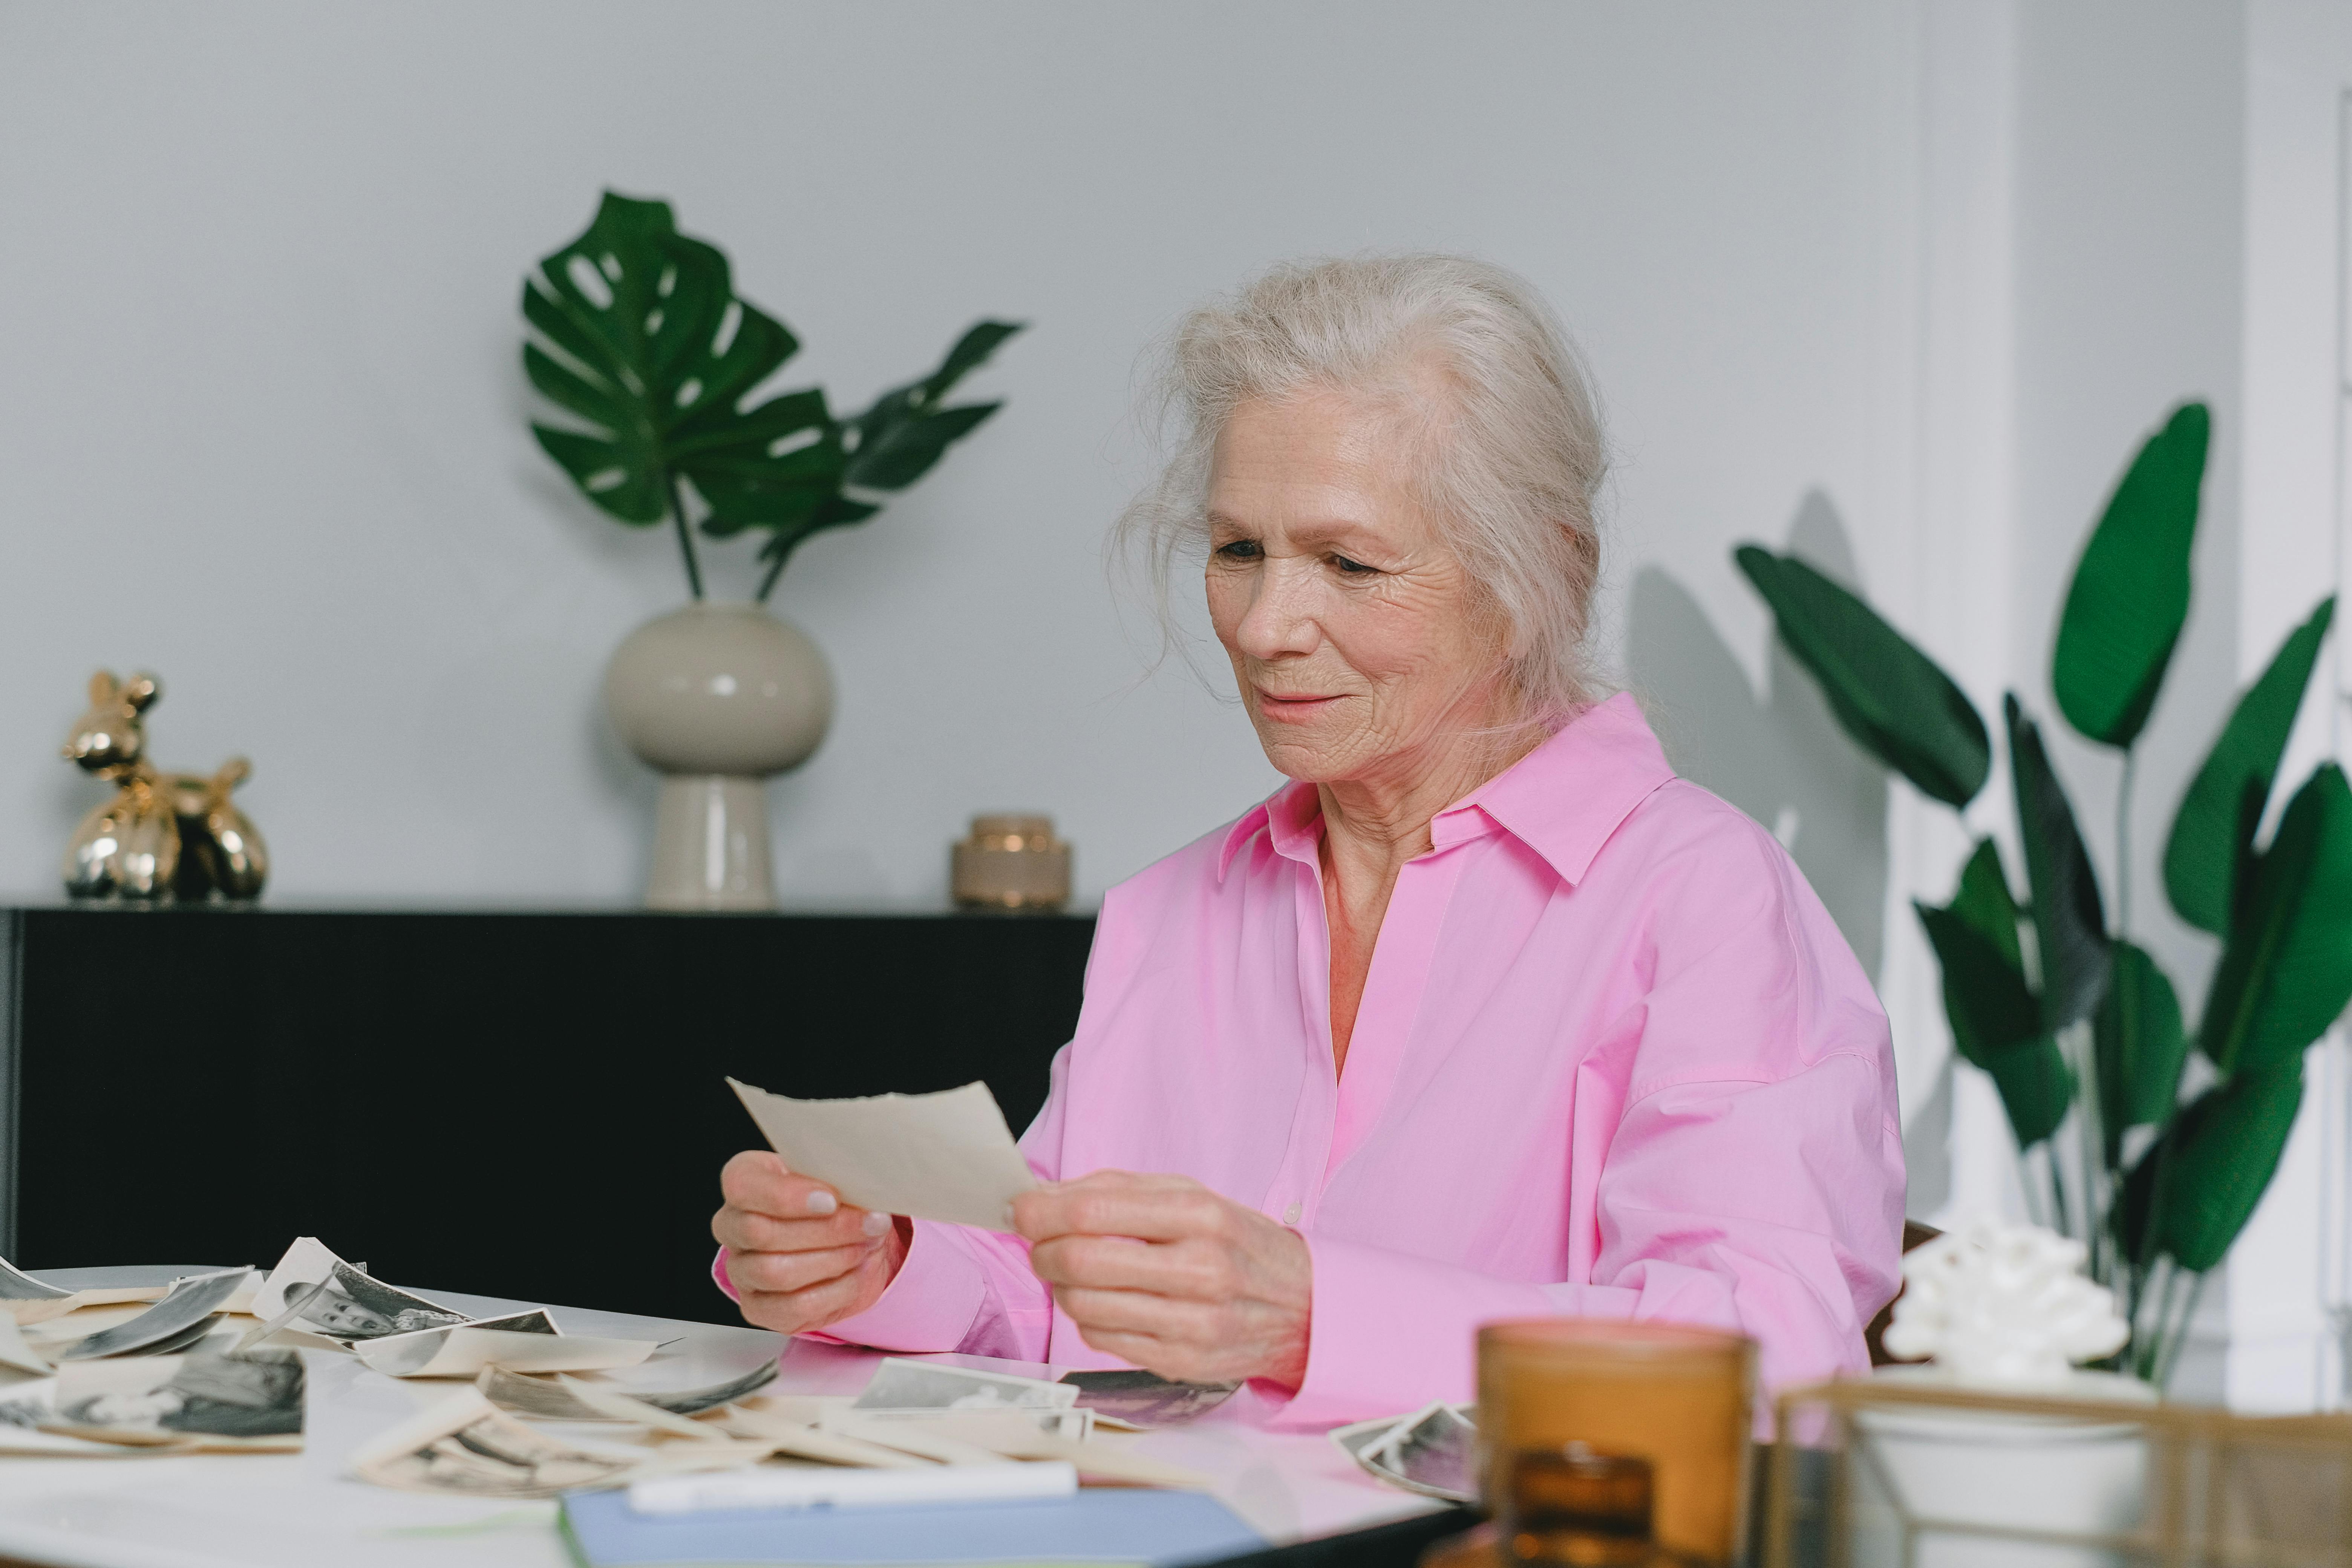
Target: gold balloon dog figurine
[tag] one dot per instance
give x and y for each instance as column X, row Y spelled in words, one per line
column 162, row 835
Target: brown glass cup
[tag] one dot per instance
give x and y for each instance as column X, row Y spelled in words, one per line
column 1679, row 1399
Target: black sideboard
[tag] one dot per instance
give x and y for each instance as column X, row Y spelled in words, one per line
column 520, row 1104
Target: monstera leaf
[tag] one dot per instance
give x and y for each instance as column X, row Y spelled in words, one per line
column 2130, row 594
column 1891, row 698
column 642, row 337
column 898, row 440
column 2215, row 825
column 651, row 347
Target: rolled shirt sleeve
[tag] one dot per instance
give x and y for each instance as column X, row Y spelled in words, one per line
column 1697, row 1227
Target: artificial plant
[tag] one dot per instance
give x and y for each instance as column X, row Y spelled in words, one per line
column 2154, row 1158
column 641, row 335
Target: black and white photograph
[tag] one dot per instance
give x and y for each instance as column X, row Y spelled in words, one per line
column 552, row 1401
column 1431, row 1451
column 350, row 1305
column 16, row 1284
column 1146, row 1399
column 901, row 1384
column 208, row 1393
column 527, row 1342
column 463, row 1445
column 169, row 1324
column 346, row 1302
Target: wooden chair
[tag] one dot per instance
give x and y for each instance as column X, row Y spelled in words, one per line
column 1915, row 1235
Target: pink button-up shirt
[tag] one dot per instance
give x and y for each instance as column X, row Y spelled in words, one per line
column 1613, row 1059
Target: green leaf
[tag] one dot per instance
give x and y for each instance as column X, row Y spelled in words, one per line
column 832, row 512
column 905, row 451
column 900, row 439
column 1995, row 1018
column 2138, row 1044
column 1985, row 995
column 971, row 351
column 1891, row 698
column 2214, row 829
column 657, row 354
column 2036, row 1087
column 2070, row 928
column 1984, row 902
column 2287, row 971
column 2221, row 1156
column 2130, row 594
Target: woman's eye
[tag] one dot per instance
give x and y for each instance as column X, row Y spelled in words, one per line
column 1240, row 549
column 1352, row 568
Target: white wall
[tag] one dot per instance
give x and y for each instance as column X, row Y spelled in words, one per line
column 263, row 431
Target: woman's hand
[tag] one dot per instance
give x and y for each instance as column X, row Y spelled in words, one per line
column 1162, row 1272
column 800, row 1258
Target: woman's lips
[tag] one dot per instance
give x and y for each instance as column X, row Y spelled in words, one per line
column 1292, row 708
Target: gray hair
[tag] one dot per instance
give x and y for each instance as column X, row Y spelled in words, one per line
column 1510, row 466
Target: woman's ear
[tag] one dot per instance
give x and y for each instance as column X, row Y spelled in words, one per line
column 142, row 692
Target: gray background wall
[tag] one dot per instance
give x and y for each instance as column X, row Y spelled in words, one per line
column 264, row 429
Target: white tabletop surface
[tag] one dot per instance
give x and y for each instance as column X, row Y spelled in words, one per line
column 303, row 1510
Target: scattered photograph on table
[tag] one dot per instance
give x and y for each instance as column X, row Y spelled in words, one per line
column 210, row 1392
column 1431, row 1451
column 695, row 1401
column 900, row 1384
column 553, row 1401
column 349, row 1302
column 352, row 1306
column 18, row 1286
column 465, row 1445
column 172, row 1321
column 1145, row 1399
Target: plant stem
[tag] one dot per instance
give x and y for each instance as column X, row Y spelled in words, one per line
column 2123, row 843
column 685, row 535
column 768, row 582
column 2057, row 1188
column 2179, row 1338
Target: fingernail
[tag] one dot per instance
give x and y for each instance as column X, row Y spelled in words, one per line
column 877, row 1222
column 823, row 1202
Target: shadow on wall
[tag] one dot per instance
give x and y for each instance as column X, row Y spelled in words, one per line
column 1782, row 758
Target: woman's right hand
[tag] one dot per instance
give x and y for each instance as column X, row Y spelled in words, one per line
column 798, row 1257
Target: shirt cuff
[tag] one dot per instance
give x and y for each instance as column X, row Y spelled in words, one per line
column 932, row 1304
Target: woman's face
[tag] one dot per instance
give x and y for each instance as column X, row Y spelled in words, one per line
column 1348, row 620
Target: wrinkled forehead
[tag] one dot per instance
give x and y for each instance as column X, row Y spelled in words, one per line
column 1320, row 464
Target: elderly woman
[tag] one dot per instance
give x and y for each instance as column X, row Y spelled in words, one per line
column 1485, row 1014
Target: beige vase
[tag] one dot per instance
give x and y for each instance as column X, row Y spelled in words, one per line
column 717, row 697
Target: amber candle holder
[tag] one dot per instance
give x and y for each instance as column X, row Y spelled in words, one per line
column 1011, row 863
column 1559, row 1398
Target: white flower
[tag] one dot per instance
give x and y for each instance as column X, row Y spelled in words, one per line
column 2003, row 1304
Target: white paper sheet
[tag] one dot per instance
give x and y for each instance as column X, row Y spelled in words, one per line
column 946, row 1156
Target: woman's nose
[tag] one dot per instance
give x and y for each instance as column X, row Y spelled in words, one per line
column 1281, row 616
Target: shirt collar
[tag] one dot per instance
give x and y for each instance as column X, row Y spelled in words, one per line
column 1563, row 800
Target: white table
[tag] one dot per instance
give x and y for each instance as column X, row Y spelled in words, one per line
column 302, row 1511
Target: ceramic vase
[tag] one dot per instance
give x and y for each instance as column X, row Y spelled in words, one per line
column 719, row 698
column 1988, row 1470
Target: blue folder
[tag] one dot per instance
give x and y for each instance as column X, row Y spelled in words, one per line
column 1106, row 1525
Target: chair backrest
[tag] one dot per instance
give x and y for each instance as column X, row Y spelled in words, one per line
column 1915, row 1235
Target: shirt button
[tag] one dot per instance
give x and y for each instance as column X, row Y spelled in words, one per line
column 1290, row 1214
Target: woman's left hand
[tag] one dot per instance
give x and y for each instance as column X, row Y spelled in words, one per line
column 1162, row 1272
